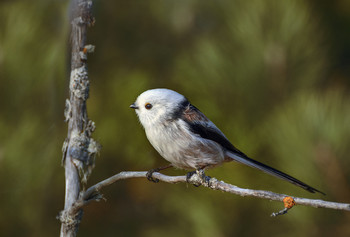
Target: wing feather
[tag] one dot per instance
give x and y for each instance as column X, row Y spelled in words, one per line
column 203, row 127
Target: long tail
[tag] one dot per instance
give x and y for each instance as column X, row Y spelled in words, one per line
column 242, row 158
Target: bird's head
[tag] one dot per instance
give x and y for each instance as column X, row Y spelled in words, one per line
column 158, row 105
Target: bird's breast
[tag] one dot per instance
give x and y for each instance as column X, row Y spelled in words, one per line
column 175, row 143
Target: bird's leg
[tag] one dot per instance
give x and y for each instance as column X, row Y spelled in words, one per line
column 150, row 173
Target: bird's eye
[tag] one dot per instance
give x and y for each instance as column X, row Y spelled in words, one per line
column 148, row 106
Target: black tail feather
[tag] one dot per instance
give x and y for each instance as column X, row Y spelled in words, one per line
column 241, row 158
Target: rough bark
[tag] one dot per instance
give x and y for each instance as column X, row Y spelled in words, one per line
column 79, row 149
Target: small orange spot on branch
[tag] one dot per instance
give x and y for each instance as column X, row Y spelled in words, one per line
column 288, row 202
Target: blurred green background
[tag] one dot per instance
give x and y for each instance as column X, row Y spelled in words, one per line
column 273, row 75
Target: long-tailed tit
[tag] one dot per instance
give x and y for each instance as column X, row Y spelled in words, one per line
column 186, row 138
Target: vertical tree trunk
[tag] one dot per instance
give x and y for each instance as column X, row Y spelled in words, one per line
column 78, row 148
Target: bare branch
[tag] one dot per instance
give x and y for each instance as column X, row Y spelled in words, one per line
column 200, row 179
column 79, row 149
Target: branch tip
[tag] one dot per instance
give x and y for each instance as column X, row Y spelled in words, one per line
column 282, row 212
column 288, row 203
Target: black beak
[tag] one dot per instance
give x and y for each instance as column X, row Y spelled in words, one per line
column 133, row 106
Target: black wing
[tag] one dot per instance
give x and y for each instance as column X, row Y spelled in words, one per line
column 201, row 125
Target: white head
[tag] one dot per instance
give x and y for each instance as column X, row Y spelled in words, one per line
column 157, row 105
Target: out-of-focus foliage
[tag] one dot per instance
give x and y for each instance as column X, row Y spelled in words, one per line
column 273, row 75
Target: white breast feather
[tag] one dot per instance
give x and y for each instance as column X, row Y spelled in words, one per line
column 182, row 148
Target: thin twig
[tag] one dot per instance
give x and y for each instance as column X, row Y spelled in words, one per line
column 282, row 212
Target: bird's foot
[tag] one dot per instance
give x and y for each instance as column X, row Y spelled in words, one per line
column 150, row 173
column 203, row 178
column 188, row 177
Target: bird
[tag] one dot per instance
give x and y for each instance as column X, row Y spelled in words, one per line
column 187, row 139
